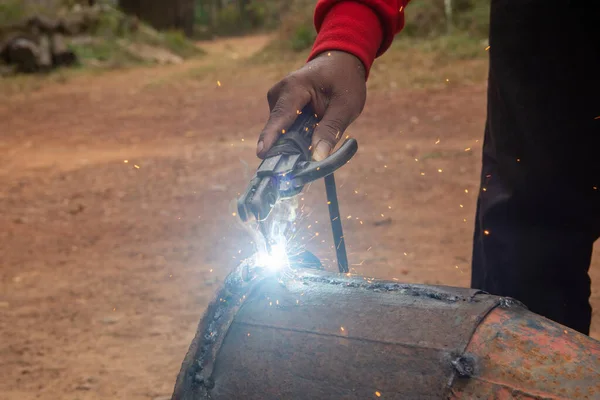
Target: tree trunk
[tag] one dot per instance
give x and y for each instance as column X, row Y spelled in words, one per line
column 449, row 18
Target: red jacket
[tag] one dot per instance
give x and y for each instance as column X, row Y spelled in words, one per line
column 364, row 28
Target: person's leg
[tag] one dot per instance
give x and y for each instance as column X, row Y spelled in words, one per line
column 538, row 210
column 534, row 250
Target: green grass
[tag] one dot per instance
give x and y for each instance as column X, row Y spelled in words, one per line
column 104, row 53
column 178, row 44
column 413, row 62
column 15, row 11
column 113, row 53
column 458, row 46
column 303, row 38
column 11, row 11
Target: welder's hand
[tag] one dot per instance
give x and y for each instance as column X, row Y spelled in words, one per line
column 334, row 84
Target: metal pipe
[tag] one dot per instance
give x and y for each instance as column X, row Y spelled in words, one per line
column 319, row 335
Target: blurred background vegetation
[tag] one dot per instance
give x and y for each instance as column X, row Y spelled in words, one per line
column 124, row 32
column 294, row 19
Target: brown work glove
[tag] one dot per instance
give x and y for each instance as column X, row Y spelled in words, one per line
column 334, row 84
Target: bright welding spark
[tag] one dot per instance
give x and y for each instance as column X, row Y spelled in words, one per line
column 137, row 166
column 219, row 83
column 487, row 48
column 486, row 232
column 378, row 394
column 437, row 141
column 275, row 260
column 125, row 161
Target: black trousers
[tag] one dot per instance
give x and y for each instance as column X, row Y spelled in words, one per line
column 538, row 212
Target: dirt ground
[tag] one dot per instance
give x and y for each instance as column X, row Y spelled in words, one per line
column 116, row 212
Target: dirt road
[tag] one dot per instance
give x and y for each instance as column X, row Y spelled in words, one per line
column 116, row 218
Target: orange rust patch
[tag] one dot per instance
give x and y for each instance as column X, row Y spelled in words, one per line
column 524, row 355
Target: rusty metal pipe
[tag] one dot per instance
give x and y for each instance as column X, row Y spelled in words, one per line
column 316, row 335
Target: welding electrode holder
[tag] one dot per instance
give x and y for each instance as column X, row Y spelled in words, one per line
column 286, row 168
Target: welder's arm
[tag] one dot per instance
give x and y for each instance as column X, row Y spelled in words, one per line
column 351, row 34
column 364, row 28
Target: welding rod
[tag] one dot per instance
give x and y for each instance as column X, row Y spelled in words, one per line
column 336, row 224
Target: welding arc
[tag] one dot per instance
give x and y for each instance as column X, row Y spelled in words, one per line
column 263, row 231
column 336, row 224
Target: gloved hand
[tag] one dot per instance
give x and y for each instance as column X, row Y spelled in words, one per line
column 334, row 84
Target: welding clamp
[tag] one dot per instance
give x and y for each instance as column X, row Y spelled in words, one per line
column 287, row 167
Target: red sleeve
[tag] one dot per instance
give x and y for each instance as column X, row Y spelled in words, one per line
column 365, row 28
